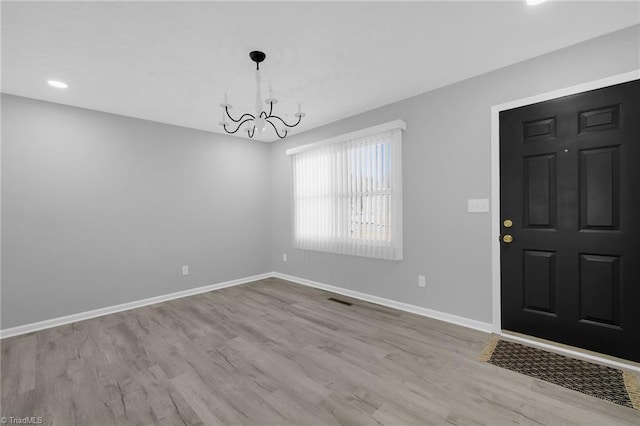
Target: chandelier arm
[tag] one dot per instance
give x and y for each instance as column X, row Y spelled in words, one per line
column 239, row 119
column 260, row 113
column 285, row 123
column 276, row 130
column 237, row 128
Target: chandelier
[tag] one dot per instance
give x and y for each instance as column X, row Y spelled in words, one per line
column 261, row 119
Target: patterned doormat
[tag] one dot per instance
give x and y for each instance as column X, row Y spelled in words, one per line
column 606, row 383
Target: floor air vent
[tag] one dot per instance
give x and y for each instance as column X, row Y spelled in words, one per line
column 333, row 299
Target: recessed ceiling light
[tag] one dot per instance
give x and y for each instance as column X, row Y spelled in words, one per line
column 58, row 84
column 535, row 2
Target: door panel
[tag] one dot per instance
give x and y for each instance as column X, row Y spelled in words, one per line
column 539, row 191
column 599, row 186
column 600, row 119
column 600, row 289
column 540, row 281
column 570, row 183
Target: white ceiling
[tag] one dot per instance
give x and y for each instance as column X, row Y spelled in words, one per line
column 173, row 61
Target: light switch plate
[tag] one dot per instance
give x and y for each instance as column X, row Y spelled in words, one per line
column 478, row 205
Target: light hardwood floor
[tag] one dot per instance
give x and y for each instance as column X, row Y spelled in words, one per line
column 274, row 352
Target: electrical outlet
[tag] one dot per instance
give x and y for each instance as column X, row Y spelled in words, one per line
column 422, row 281
column 284, row 257
column 185, row 270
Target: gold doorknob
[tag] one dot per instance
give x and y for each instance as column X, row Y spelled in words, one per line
column 507, row 238
column 507, row 223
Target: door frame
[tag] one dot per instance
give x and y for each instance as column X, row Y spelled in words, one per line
column 495, row 196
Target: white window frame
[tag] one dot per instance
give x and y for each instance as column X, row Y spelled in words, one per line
column 391, row 249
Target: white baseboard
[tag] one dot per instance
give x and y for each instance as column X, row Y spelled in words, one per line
column 462, row 321
column 55, row 322
column 418, row 310
column 81, row 316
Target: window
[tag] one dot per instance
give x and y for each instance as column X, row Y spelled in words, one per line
column 347, row 193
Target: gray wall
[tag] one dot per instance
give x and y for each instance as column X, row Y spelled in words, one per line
column 100, row 209
column 446, row 160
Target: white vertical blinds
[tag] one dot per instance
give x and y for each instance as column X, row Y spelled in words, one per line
column 347, row 195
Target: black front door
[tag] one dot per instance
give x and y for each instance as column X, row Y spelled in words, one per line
column 570, row 185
